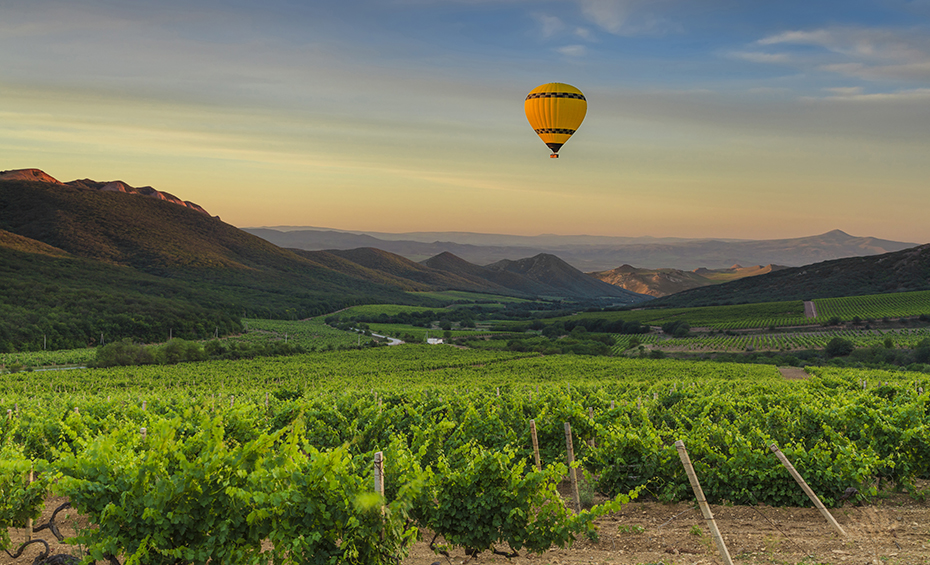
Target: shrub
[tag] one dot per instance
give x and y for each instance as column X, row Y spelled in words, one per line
column 839, row 347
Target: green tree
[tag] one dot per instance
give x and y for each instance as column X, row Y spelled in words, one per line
column 124, row 352
column 838, row 347
column 677, row 328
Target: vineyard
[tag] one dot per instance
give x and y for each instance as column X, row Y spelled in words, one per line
column 779, row 314
column 876, row 306
column 782, row 341
column 311, row 334
column 213, row 462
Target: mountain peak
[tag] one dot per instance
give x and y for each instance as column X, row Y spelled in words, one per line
column 29, row 174
column 837, row 235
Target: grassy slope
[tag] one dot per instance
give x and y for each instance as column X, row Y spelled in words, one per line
column 139, row 267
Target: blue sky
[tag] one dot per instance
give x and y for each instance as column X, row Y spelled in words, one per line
column 705, row 118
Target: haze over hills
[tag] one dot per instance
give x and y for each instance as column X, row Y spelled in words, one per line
column 593, row 253
column 543, row 275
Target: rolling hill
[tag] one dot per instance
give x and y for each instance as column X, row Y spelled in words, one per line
column 80, row 262
column 898, row 271
column 561, row 278
column 662, row 282
column 544, row 275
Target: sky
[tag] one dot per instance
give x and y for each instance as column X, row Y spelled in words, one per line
column 706, row 118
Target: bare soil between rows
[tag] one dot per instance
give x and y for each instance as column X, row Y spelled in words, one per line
column 891, row 531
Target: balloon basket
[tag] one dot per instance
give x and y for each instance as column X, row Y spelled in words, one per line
column 554, row 156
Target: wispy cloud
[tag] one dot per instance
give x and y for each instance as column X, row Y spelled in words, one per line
column 760, row 57
column 630, row 17
column 845, row 90
column 856, row 94
column 610, row 15
column 917, row 71
column 549, row 25
column 572, row 50
column 584, row 33
column 872, row 54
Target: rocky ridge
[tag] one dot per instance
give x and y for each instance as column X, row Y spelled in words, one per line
column 38, row 175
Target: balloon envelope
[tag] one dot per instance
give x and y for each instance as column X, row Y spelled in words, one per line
column 555, row 110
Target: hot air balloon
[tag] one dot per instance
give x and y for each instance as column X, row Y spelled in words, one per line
column 555, row 110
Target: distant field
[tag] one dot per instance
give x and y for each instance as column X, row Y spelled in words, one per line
column 786, row 341
column 874, row 306
column 779, row 314
column 309, row 334
column 312, row 334
column 49, row 358
column 470, row 296
column 761, row 315
column 420, row 333
column 378, row 309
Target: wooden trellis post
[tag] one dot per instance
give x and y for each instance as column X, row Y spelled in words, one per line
column 591, row 416
column 702, row 502
column 32, row 478
column 535, row 444
column 808, row 491
column 572, row 471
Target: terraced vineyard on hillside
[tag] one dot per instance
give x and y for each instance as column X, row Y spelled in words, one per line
column 782, row 341
column 781, row 314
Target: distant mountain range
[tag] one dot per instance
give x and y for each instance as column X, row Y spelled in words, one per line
column 543, row 275
column 591, row 253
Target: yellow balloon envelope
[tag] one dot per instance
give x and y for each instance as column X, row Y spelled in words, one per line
column 555, row 110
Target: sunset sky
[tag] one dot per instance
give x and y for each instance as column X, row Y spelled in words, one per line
column 706, row 118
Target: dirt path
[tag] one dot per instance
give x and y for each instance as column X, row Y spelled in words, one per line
column 810, row 311
column 793, row 373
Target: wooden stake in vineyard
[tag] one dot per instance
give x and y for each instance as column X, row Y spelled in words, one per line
column 535, row 444
column 702, row 502
column 32, row 478
column 808, row 491
column 379, row 473
column 572, row 471
column 591, row 416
